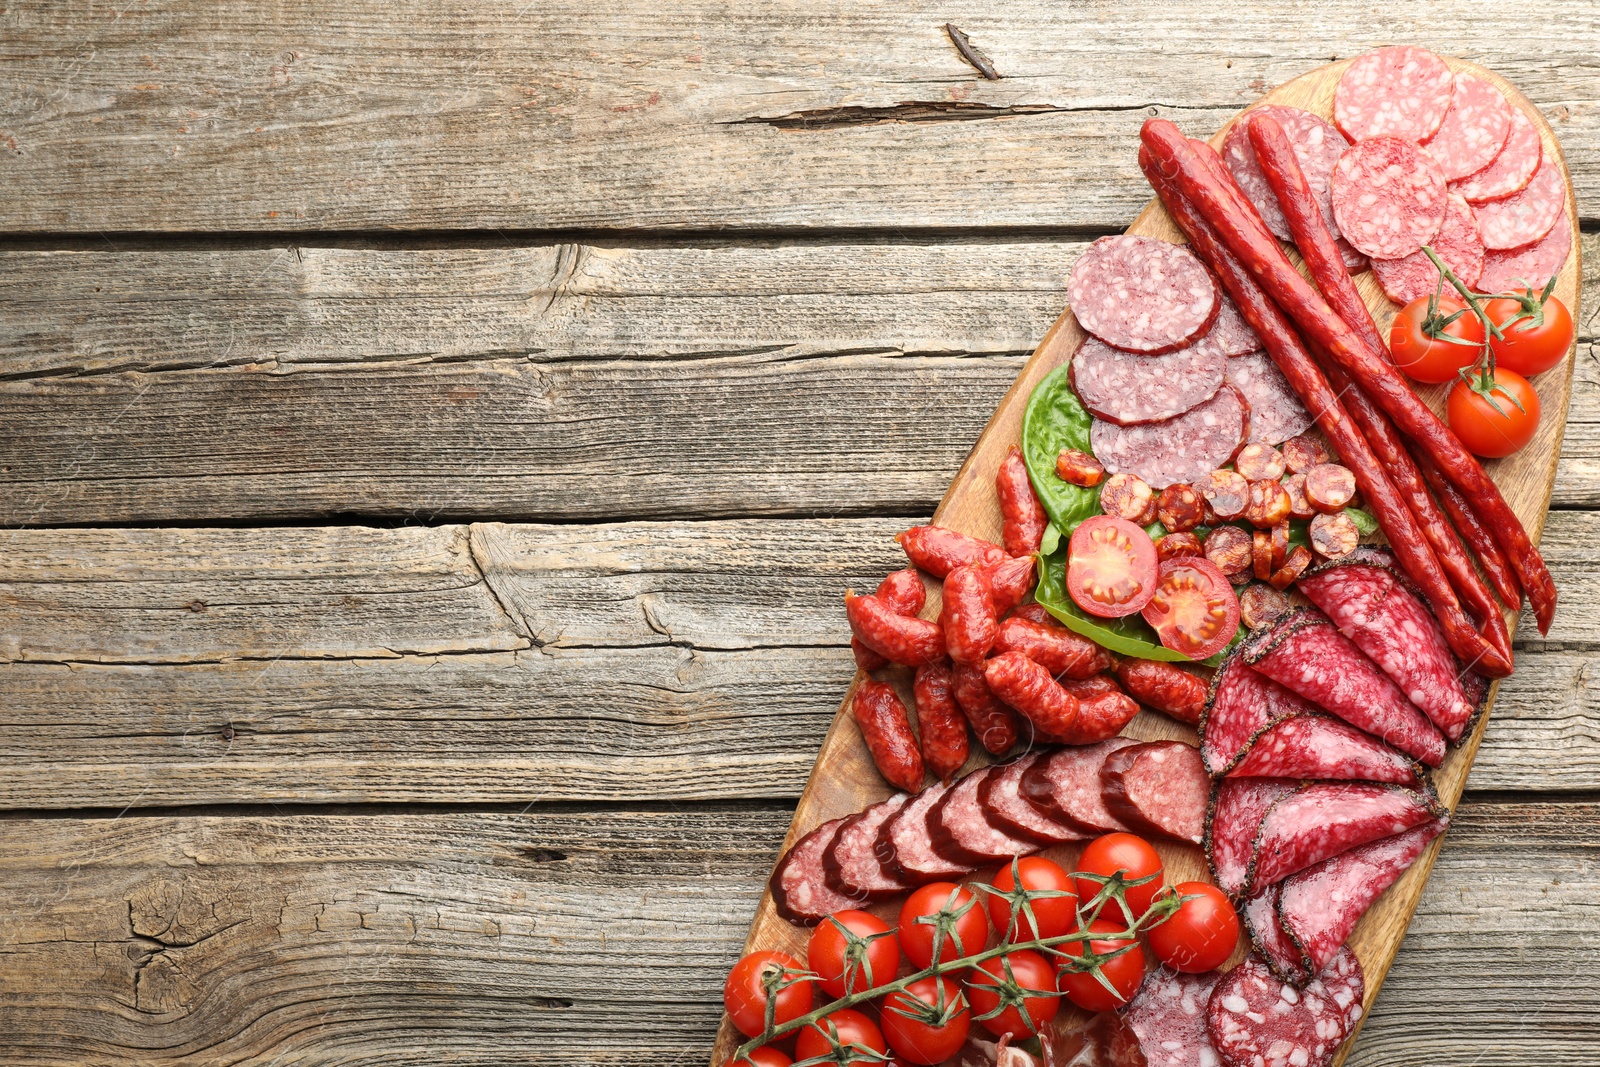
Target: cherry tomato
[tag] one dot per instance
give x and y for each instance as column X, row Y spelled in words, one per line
column 947, row 911
column 1111, row 567
column 1031, row 986
column 1050, row 916
column 1485, row 431
column 765, row 1056
column 842, row 1029
column 868, row 956
column 1428, row 358
column 1131, row 855
column 938, row 1023
column 1201, row 934
column 1194, row 610
column 1535, row 343
column 1124, row 972
column 745, row 992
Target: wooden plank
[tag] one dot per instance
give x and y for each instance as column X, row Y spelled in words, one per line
column 310, row 115
column 603, row 937
column 464, row 383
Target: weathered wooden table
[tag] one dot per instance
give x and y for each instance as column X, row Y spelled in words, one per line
column 435, row 437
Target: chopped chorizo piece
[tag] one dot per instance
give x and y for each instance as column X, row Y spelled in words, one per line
column 1128, row 496
column 1079, row 468
column 1237, row 807
column 1142, row 295
column 1261, row 554
column 1314, row 745
column 1302, row 453
column 1261, row 605
column 1174, row 545
column 1258, row 461
column 1323, row 819
column 1179, row 508
column 1227, row 493
column 1299, row 507
column 1334, row 536
column 1280, row 544
column 1255, row 1019
column 1159, row 787
column 1269, row 504
column 1330, row 487
column 1292, row 568
column 1228, row 547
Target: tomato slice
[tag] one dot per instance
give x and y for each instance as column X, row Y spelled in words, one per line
column 1193, row 609
column 1111, row 567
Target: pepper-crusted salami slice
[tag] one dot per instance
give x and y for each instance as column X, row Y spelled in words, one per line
column 1474, row 130
column 962, row 831
column 1230, row 332
column 1169, row 1018
column 1401, row 91
column 851, row 866
column 1524, row 217
column 1237, row 807
column 1181, row 449
column 1276, row 413
column 1324, row 819
column 1457, row 243
column 799, row 883
column 1345, row 983
column 1127, row 389
column 1159, row 787
column 1066, row 786
column 1320, row 746
column 1141, row 294
column 906, row 846
column 1241, row 704
column 1002, row 800
column 1534, row 264
column 1319, row 907
column 1512, row 169
column 1388, row 196
column 1317, row 145
column 1254, row 1019
column 1260, row 914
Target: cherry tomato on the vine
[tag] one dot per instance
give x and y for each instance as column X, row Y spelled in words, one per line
column 1485, row 431
column 927, row 1023
column 1124, row 972
column 1040, row 916
column 1111, row 567
column 948, row 913
column 1018, row 982
column 765, row 1056
column 1201, row 934
column 1433, row 349
column 852, row 951
column 1131, row 855
column 842, row 1029
column 745, row 993
column 1536, row 337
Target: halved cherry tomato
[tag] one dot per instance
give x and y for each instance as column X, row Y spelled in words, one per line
column 1022, row 981
column 845, row 1029
column 1048, row 916
column 746, row 990
column 1201, row 934
column 1537, row 339
column 946, row 911
column 1194, row 610
column 1124, row 972
column 1485, row 431
column 1111, row 567
column 852, row 951
column 765, row 1056
column 1426, row 349
column 1133, row 856
column 928, row 1023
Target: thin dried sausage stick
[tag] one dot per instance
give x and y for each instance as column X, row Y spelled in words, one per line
column 942, row 727
column 1473, row 533
column 1022, row 516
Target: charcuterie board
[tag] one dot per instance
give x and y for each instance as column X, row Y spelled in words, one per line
column 844, row 779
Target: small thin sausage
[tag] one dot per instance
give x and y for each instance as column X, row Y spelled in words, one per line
column 1053, row 646
column 1269, row 504
column 1302, row 453
column 1260, row 605
column 886, row 728
column 1330, row 487
column 1174, row 545
column 1299, row 506
column 866, row 659
column 1229, row 548
column 1101, row 718
column 1028, row 687
column 1079, row 468
column 1227, row 492
column 1280, row 544
column 1127, row 496
column 940, row 725
column 1022, row 517
column 1166, row 687
column 1292, row 568
column 1474, row 533
column 1180, row 508
column 1261, row 554
column 939, row 550
column 1258, row 461
column 902, row 639
column 967, row 614
column 1009, row 582
column 995, row 724
column 1090, row 688
column 904, row 592
column 1333, row 535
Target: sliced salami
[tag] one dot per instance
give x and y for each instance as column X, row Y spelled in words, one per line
column 1320, row 906
column 799, row 883
column 1160, row 787
column 1141, row 294
column 1524, row 217
column 1323, row 819
column 1371, row 605
column 1534, row 264
column 1181, row 449
column 1066, row 786
column 1240, row 705
column 1276, row 413
column 1388, row 196
column 962, row 832
column 1231, row 333
column 1237, row 807
column 1474, row 129
column 1317, row 146
column 1354, row 261
column 1512, row 169
column 1127, row 389
column 1307, row 654
column 1402, row 91
column 851, row 865
column 1169, row 1018
column 1003, row 802
column 1320, row 746
column 905, row 844
column 1457, row 243
column 1260, row 914
column 1345, row 983
column 1255, row 1019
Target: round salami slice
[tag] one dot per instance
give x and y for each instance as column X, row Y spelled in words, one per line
column 1169, row 1018
column 905, row 844
column 1317, row 146
column 1401, row 91
column 1474, row 129
column 1002, row 800
column 1181, row 449
column 1522, row 218
column 1254, row 1019
column 1512, row 169
column 1231, row 333
column 1345, row 983
column 1457, row 243
column 962, row 832
column 1534, row 264
column 1142, row 295
column 799, row 883
column 851, row 863
column 1128, row 389
column 1388, row 196
column 1276, row 413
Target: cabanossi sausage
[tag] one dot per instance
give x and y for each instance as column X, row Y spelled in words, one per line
column 1023, row 520
column 886, row 728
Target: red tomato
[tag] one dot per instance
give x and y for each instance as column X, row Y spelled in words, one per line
column 944, row 911
column 1485, row 431
column 1201, row 934
column 746, row 990
column 1535, row 342
column 1042, row 916
column 765, row 1056
column 1030, row 987
column 1194, row 610
column 1129, row 854
column 1124, row 972
column 1111, row 567
column 1432, row 352
column 852, row 951
column 842, row 1030
column 928, row 1023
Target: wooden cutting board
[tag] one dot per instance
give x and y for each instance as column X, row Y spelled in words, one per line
column 844, row 779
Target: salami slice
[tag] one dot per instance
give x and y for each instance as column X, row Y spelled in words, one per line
column 1320, row 746
column 1474, row 129
column 1141, row 294
column 1260, row 914
column 1370, row 605
column 1255, row 1019
column 1159, row 787
column 1181, row 449
column 1323, row 819
column 1524, row 217
column 1354, row 261
column 905, row 844
column 1231, row 333
column 1512, row 169
column 1534, row 264
column 1237, row 807
column 1003, row 802
column 1457, row 243
column 1402, row 91
column 1320, row 906
column 1317, row 146
column 1169, row 1018
column 1276, row 413
column 799, row 883
column 851, row 865
column 1241, row 704
column 962, row 832
column 1306, row 654
column 1388, row 196
column 1066, row 786
column 1127, row 389
column 1345, row 983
